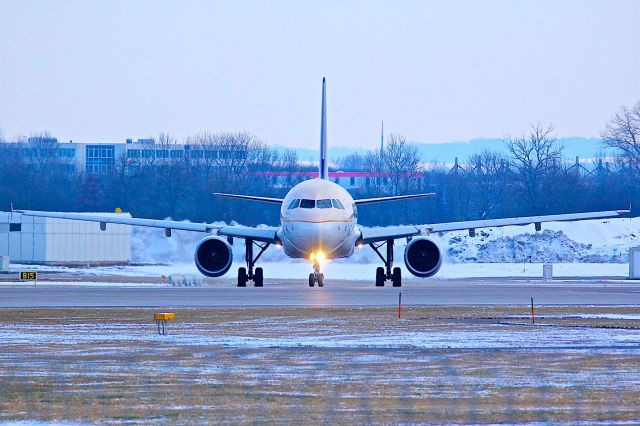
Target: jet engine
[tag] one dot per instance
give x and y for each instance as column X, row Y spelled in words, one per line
column 423, row 257
column 213, row 256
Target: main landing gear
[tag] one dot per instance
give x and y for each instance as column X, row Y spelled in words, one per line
column 388, row 272
column 316, row 276
column 247, row 274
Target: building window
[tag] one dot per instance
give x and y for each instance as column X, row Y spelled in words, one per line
column 133, row 153
column 66, row 153
column 352, row 181
column 175, row 153
column 100, row 158
column 15, row 227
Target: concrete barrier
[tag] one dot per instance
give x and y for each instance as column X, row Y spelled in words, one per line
column 634, row 263
column 547, row 271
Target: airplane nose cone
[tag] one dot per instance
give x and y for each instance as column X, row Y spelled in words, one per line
column 311, row 237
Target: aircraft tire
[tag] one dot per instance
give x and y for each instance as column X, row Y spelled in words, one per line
column 380, row 276
column 258, row 278
column 320, row 280
column 396, row 277
column 242, row 277
column 312, row 280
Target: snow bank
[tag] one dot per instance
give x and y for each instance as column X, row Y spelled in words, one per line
column 591, row 241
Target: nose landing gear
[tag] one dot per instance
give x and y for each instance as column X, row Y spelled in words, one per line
column 316, row 276
column 388, row 272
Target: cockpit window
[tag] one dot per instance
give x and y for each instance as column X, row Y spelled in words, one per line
column 323, row 204
column 337, row 204
column 295, row 203
column 307, row 204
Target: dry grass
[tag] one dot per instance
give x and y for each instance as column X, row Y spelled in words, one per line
column 107, row 365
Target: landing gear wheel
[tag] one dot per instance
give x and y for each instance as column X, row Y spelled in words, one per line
column 242, row 277
column 245, row 274
column 320, row 280
column 258, row 278
column 380, row 276
column 388, row 272
column 312, row 280
column 396, row 277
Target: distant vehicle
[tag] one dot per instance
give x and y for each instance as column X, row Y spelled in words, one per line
column 319, row 222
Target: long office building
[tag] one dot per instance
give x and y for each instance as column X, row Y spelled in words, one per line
column 99, row 158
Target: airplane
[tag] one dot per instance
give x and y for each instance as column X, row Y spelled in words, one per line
column 318, row 221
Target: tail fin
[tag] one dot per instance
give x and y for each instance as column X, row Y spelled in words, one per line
column 324, row 164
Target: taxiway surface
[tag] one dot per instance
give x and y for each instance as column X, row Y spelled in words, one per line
column 497, row 291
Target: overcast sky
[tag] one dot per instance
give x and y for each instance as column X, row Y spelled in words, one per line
column 434, row 71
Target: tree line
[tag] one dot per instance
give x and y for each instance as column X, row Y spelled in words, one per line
column 530, row 177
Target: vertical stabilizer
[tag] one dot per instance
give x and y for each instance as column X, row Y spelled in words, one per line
column 324, row 164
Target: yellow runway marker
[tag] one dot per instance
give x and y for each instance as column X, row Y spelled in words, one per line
column 161, row 319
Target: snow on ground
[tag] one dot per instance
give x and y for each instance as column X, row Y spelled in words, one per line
column 586, row 248
column 285, row 333
column 591, row 241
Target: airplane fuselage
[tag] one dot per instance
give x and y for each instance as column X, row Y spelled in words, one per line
column 318, row 216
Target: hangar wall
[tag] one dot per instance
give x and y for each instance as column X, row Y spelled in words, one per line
column 27, row 239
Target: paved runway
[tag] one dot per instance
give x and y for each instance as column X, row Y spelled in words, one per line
column 499, row 291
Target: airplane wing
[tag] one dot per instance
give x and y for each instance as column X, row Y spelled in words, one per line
column 393, row 198
column 247, row 233
column 153, row 223
column 372, row 235
column 263, row 235
column 510, row 221
column 358, row 202
column 250, row 197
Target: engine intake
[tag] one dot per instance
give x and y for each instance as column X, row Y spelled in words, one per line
column 213, row 256
column 423, row 257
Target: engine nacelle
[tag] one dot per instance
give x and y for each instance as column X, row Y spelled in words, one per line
column 213, row 256
column 423, row 257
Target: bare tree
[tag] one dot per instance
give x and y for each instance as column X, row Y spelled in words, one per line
column 622, row 133
column 488, row 175
column 124, row 178
column 402, row 163
column 43, row 150
column 373, row 164
column 354, row 162
column 534, row 157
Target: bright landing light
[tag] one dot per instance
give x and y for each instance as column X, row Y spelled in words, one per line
column 319, row 256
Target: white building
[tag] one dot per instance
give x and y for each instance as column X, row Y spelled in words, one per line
column 99, row 158
column 40, row 240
